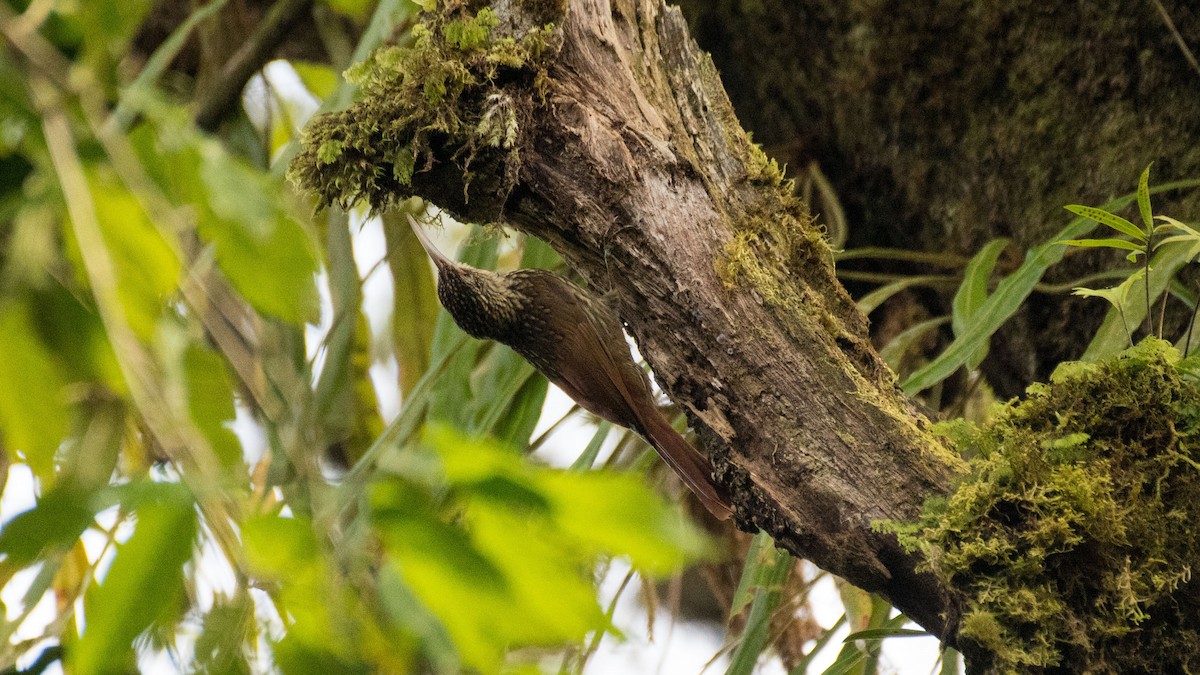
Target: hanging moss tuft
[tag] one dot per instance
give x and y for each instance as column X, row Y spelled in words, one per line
column 462, row 89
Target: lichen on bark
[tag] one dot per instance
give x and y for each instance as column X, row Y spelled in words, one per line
column 1072, row 536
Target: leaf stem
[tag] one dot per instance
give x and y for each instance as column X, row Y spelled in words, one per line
column 1187, row 344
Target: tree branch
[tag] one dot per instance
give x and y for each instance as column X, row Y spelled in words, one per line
column 638, row 173
column 613, row 140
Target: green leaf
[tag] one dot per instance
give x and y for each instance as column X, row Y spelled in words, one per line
column 514, row 570
column 1108, row 218
column 893, row 352
column 414, row 300
column 1105, row 243
column 847, row 661
column 145, row 580
column 516, row 421
column 1191, row 238
column 1118, row 295
column 146, row 265
column 871, row 301
column 76, row 335
column 762, row 562
column 1008, row 297
column 280, row 547
column 34, row 416
column 210, row 402
column 876, row 634
column 111, row 23
column 54, row 524
column 587, row 458
column 801, row 668
column 226, row 629
column 1143, row 198
column 974, row 291
column 607, row 512
column 286, row 551
column 319, row 79
column 1168, row 260
column 769, row 570
column 267, row 255
column 1179, row 225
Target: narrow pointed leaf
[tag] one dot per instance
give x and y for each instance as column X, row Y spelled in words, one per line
column 146, row 579
column 974, row 291
column 1105, row 243
column 1143, row 198
column 1108, row 218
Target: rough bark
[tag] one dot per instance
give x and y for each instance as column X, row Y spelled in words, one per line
column 945, row 124
column 634, row 168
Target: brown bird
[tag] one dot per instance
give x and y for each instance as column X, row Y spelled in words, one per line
column 575, row 341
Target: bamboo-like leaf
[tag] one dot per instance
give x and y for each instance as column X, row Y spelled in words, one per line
column 414, row 303
column 950, row 659
column 1168, row 260
column 822, row 642
column 1143, row 198
column 587, row 458
column 871, row 301
column 1105, row 217
column 893, row 352
column 876, row 634
column 1179, row 225
column 1105, row 243
column 1117, row 295
column 974, row 291
column 1178, row 238
column 766, row 570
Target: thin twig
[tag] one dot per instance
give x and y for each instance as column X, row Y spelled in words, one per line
column 1146, row 281
column 1126, row 324
column 1191, row 322
column 1187, row 53
column 1162, row 313
column 257, row 50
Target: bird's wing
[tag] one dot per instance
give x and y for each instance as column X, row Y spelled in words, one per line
column 636, row 408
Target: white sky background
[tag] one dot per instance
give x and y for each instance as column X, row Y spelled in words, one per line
column 680, row 648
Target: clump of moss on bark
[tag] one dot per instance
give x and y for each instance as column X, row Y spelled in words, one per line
column 462, row 88
column 1072, row 537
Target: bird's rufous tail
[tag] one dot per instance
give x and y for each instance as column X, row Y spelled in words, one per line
column 687, row 461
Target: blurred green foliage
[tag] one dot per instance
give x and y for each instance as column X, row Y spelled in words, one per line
column 155, row 284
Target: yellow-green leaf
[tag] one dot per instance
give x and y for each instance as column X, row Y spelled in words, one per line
column 145, row 580
column 210, row 402
column 34, row 416
column 1108, row 218
column 146, row 266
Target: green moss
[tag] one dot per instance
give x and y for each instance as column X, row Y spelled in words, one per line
column 775, row 241
column 1072, row 536
column 459, row 91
